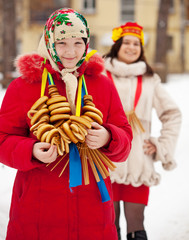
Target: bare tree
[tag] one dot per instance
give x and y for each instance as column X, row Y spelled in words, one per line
column 183, row 7
column 9, row 40
column 161, row 39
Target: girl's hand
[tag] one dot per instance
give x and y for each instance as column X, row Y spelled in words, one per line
column 45, row 152
column 97, row 137
column 149, row 148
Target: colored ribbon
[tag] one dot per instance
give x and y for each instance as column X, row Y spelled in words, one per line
column 43, row 81
column 75, row 161
column 79, row 97
column 46, row 75
column 90, row 54
column 103, row 189
column 50, row 79
column 138, row 88
column 101, row 184
column 75, row 166
column 83, row 91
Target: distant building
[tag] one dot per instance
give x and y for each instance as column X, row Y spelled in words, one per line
column 102, row 16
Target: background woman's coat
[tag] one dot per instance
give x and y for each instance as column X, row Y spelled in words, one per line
column 139, row 168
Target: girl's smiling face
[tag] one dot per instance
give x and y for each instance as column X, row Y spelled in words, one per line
column 70, row 51
column 130, row 49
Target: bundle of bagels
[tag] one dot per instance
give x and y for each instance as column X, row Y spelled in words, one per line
column 52, row 122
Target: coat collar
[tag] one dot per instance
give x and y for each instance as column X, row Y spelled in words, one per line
column 30, row 67
column 122, row 69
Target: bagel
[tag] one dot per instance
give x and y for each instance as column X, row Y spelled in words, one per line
column 52, row 133
column 82, row 133
column 94, row 116
column 44, row 136
column 52, row 89
column 58, row 105
column 56, row 100
column 58, row 117
column 54, row 94
column 81, row 128
column 42, row 129
column 45, row 117
column 92, row 109
column 88, row 97
column 35, row 133
column 63, row 135
column 31, row 112
column 89, row 103
column 68, row 132
column 35, row 126
column 60, row 110
column 74, row 127
column 60, row 145
column 58, row 123
column 66, row 146
column 38, row 114
column 79, row 136
column 87, row 118
column 84, row 121
column 40, row 101
column 43, row 105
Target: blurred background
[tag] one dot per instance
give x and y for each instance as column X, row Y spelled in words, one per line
column 165, row 22
column 166, row 32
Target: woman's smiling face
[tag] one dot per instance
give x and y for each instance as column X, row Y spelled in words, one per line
column 70, row 51
column 130, row 49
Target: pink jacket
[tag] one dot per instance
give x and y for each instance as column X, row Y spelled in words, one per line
column 43, row 207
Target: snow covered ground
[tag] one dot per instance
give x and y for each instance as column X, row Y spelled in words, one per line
column 167, row 216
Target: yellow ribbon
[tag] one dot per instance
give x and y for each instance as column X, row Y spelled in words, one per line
column 78, row 104
column 90, row 54
column 44, row 81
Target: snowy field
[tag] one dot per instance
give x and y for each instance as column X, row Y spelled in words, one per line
column 167, row 216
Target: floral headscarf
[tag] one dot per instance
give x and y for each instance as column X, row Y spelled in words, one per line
column 64, row 23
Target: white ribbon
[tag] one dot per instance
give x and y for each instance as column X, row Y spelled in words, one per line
column 71, row 87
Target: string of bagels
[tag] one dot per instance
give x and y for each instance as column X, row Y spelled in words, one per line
column 52, row 122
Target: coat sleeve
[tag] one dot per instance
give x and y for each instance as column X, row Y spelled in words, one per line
column 119, row 146
column 170, row 117
column 15, row 144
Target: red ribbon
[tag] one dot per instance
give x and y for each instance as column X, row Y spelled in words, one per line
column 138, row 88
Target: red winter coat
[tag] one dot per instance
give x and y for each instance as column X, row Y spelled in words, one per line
column 43, row 207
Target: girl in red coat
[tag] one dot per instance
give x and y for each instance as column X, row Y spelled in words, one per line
column 62, row 189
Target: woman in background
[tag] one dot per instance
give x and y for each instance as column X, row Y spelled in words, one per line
column 140, row 90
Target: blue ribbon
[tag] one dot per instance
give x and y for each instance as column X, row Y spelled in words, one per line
column 103, row 189
column 101, row 184
column 75, row 161
column 48, row 79
column 82, row 95
column 75, row 166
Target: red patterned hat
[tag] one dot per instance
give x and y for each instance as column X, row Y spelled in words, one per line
column 129, row 28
